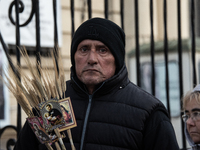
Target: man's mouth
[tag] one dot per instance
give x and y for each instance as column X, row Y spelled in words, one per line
column 91, row 70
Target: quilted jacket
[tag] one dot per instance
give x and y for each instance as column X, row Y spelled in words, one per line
column 117, row 116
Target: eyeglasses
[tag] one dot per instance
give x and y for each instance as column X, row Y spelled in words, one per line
column 195, row 116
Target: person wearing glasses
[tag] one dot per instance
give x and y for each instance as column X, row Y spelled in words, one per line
column 191, row 117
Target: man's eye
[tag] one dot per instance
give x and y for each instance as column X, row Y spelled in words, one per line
column 103, row 50
column 83, row 49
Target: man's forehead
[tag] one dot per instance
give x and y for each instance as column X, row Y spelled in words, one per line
column 89, row 41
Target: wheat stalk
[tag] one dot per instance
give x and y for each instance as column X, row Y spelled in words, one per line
column 39, row 86
column 18, row 94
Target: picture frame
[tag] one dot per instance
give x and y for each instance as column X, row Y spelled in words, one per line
column 39, row 131
column 68, row 114
column 51, row 114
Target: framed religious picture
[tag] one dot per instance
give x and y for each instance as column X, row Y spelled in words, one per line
column 68, row 114
column 36, row 126
column 51, row 114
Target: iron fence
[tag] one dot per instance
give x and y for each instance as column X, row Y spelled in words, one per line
column 19, row 6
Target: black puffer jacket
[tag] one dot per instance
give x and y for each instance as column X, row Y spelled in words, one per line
column 118, row 116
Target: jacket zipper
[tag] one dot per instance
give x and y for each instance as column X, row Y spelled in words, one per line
column 85, row 122
column 87, row 113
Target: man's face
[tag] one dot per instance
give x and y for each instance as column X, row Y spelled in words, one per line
column 94, row 62
column 193, row 127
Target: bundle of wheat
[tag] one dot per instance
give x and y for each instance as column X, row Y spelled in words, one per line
column 36, row 90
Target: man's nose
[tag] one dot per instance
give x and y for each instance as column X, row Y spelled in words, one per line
column 92, row 57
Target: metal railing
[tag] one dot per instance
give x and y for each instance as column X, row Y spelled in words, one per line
column 19, row 7
column 35, row 11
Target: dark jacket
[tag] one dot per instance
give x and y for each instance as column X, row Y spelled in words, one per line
column 118, row 116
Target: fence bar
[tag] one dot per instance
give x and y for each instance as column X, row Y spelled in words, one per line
column 122, row 13
column 56, row 47
column 37, row 19
column 152, row 50
column 106, row 9
column 13, row 69
column 19, row 120
column 137, row 48
column 180, row 68
column 10, row 142
column 89, row 9
column 72, row 17
column 193, row 42
column 166, row 57
column 55, row 23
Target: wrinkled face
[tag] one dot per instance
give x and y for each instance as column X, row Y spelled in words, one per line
column 193, row 127
column 94, row 63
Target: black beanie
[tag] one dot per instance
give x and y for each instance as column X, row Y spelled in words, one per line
column 105, row 31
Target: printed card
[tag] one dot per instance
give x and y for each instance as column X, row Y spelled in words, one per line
column 68, row 114
column 39, row 131
column 51, row 114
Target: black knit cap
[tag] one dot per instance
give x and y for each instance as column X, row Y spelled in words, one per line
column 105, row 31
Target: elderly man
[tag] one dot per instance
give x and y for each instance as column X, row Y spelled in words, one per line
column 111, row 112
